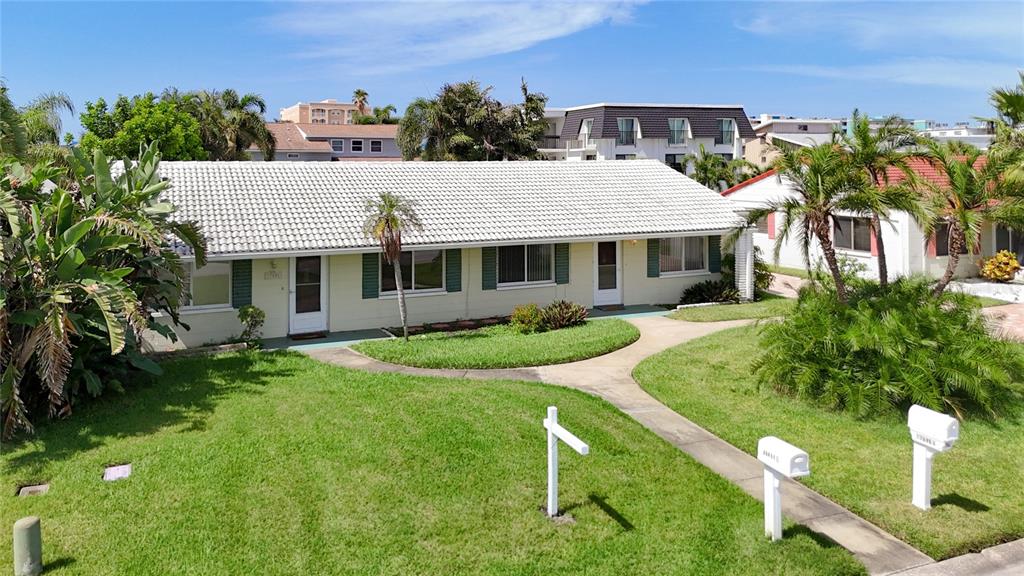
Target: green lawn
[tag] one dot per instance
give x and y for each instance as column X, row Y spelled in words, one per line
column 770, row 306
column 864, row 465
column 798, row 272
column 502, row 347
column 276, row 464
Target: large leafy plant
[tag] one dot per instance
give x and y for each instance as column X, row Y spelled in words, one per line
column 86, row 258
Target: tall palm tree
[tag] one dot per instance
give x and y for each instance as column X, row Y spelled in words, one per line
column 875, row 151
column 975, row 191
column 229, row 123
column 824, row 182
column 383, row 114
column 32, row 132
column 359, row 98
column 1009, row 103
column 387, row 216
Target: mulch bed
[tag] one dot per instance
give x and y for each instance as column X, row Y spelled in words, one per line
column 456, row 326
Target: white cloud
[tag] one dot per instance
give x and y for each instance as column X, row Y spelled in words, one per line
column 388, row 37
column 953, row 29
column 945, row 72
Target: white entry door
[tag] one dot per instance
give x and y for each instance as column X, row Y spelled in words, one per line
column 607, row 273
column 307, row 302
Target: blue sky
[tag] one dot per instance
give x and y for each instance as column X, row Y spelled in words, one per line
column 934, row 60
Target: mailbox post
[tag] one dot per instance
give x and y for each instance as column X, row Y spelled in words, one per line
column 931, row 432
column 780, row 459
column 556, row 433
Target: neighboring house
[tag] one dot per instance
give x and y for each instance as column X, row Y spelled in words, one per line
column 302, row 142
column 663, row 132
column 980, row 135
column 328, row 111
column 289, row 239
column 908, row 250
column 774, row 132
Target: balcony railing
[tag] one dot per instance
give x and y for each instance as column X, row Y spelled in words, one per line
column 626, row 138
column 550, row 142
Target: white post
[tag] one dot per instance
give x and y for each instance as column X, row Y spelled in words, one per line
column 743, row 251
column 922, row 477
column 552, row 462
column 772, row 504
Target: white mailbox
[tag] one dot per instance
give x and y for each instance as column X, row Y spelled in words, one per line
column 783, row 457
column 780, row 458
column 932, row 429
column 931, row 432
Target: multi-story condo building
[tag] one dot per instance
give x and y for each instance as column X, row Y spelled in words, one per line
column 324, row 142
column 666, row 132
column 775, row 132
column 980, row 134
column 328, row 111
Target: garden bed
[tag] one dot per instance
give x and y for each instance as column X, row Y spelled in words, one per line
column 275, row 464
column 865, row 465
column 502, row 347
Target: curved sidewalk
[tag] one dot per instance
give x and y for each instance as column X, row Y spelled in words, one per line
column 610, row 377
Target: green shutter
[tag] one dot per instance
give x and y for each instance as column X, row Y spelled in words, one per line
column 371, row 275
column 489, row 278
column 714, row 253
column 653, row 258
column 561, row 263
column 453, row 270
column 241, row 283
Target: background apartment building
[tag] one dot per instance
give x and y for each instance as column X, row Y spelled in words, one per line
column 665, row 132
column 774, row 132
column 328, row 111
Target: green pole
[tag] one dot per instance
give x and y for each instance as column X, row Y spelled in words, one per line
column 28, row 547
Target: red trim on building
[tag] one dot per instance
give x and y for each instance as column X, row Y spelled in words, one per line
column 932, row 242
column 746, row 183
column 874, row 244
column 771, row 226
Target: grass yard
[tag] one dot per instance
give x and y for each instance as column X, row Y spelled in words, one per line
column 798, row 272
column 770, row 306
column 276, row 464
column 978, row 498
column 502, row 347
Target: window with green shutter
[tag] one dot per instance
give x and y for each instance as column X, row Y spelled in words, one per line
column 371, row 269
column 714, row 254
column 653, row 255
column 241, row 283
column 489, row 268
column 561, row 263
column 453, row 270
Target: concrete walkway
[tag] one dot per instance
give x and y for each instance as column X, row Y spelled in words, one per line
column 1008, row 320
column 610, row 377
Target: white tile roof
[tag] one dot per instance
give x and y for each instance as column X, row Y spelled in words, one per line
column 249, row 208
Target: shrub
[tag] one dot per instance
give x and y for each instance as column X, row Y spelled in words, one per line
column 252, row 319
column 888, row 349
column 526, row 319
column 1002, row 267
column 562, row 314
column 710, row 291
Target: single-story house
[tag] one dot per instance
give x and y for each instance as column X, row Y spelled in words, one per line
column 288, row 237
column 908, row 251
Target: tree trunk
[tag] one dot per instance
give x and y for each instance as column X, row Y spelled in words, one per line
column 883, row 267
column 397, row 265
column 956, row 244
column 825, row 239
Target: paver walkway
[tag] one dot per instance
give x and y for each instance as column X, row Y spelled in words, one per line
column 610, row 377
column 785, row 285
column 1008, row 319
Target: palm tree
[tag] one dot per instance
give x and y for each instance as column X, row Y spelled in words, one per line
column 975, row 191
column 387, row 217
column 13, row 138
column 824, row 182
column 359, row 98
column 874, row 152
column 1009, row 103
column 32, row 132
column 383, row 114
column 713, row 170
column 228, row 123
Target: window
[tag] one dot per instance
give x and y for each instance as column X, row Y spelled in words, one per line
column 422, row 271
column 590, row 157
column 942, row 241
column 762, row 225
column 292, row 155
column 852, row 234
column 627, row 132
column 725, row 131
column 1011, row 240
column 209, row 286
column 678, row 255
column 532, row 263
column 727, row 157
column 357, row 146
column 677, row 161
column 338, row 145
column 586, row 129
column 801, row 127
column 676, row 131
column 375, row 145
column 625, row 156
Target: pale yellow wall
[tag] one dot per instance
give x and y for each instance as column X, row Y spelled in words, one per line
column 207, row 327
column 639, row 289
